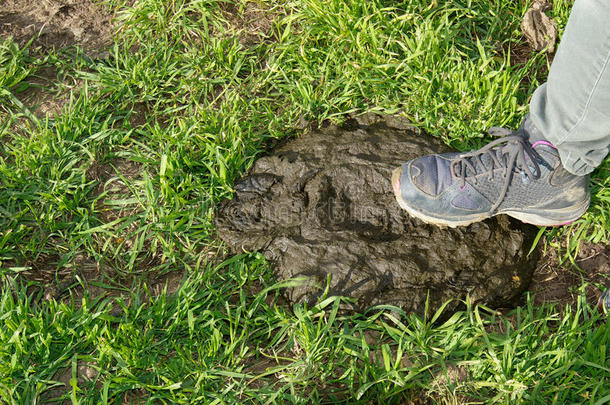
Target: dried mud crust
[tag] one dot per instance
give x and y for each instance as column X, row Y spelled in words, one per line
column 57, row 24
column 323, row 205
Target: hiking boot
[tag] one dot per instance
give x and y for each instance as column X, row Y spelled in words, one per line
column 509, row 176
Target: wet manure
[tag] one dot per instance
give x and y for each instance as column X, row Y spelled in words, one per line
column 323, row 205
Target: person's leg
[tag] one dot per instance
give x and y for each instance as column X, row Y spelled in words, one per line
column 572, row 110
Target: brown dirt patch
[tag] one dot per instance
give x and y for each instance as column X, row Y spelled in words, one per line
column 47, row 92
column 559, row 283
column 139, row 114
column 57, row 23
column 54, row 24
column 84, row 275
column 253, row 21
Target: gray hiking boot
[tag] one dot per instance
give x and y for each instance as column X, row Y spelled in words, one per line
column 509, row 176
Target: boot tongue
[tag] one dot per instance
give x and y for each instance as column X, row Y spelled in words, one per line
column 530, row 131
column 547, row 154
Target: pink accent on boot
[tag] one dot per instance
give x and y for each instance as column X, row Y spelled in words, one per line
column 547, row 143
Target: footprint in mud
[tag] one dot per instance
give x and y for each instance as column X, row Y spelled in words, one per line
column 323, row 204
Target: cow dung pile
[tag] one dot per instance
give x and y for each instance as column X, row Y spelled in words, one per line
column 322, row 205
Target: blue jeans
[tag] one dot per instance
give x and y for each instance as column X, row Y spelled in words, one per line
column 572, row 109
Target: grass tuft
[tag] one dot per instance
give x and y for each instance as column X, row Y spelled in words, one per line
column 216, row 339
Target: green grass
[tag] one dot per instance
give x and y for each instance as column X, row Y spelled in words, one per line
column 128, row 174
column 200, row 345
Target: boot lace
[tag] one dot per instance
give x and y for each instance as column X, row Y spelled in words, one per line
column 511, row 153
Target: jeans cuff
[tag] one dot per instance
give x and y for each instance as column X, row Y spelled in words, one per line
column 575, row 165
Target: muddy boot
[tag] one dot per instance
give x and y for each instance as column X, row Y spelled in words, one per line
column 517, row 175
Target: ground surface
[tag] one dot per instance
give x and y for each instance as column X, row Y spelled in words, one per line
column 118, row 140
column 57, row 24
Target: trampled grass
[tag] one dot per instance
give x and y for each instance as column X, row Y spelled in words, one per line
column 127, row 176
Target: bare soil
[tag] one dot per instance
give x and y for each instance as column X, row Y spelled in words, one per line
column 56, row 23
column 253, row 21
column 559, row 283
column 48, row 92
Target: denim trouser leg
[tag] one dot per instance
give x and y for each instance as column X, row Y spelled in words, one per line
column 572, row 109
